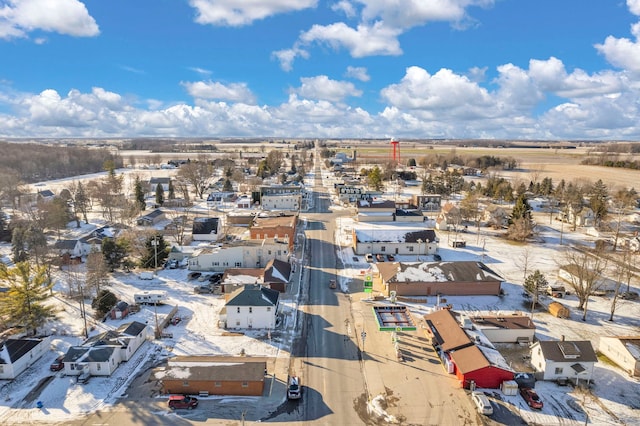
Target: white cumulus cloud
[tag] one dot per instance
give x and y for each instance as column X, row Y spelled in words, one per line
column 234, row 92
column 70, row 17
column 359, row 73
column 236, row 13
column 323, row 88
column 364, row 40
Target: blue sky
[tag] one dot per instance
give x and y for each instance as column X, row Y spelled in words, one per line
column 515, row 69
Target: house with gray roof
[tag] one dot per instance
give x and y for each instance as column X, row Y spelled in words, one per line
column 566, row 360
column 103, row 353
column 71, row 247
column 151, row 218
column 277, row 274
column 16, row 355
column 252, row 306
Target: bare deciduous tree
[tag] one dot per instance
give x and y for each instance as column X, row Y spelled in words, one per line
column 197, row 174
column 585, row 274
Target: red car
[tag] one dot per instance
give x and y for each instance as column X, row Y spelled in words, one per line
column 531, row 397
column 57, row 365
column 182, row 401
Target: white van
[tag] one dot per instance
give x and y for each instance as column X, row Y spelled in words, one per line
column 482, row 403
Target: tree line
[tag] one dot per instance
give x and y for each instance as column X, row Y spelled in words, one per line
column 31, row 162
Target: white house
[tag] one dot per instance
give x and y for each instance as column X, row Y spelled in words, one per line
column 73, row 248
column 624, row 351
column 394, row 238
column 103, row 353
column 162, row 181
column 16, row 355
column 509, row 328
column 239, row 254
column 252, row 306
column 281, row 201
column 572, row 360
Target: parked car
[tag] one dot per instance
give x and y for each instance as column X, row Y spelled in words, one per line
column 294, row 391
column 332, row 284
column 629, row 295
column 57, row 364
column 216, row 278
column 84, row 377
column 194, row 275
column 482, row 403
column 182, row 401
column 172, row 264
column 368, row 257
column 391, row 258
column 531, row 397
column 203, row 289
column 437, row 257
column 203, row 278
column 380, row 257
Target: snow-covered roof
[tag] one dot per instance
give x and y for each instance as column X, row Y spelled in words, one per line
column 461, row 271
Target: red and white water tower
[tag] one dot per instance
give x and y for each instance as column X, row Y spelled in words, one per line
column 395, row 150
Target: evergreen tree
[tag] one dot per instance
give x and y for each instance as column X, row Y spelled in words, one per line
column 598, row 201
column 228, row 186
column 522, row 209
column 535, row 283
column 139, row 194
column 24, row 303
column 172, row 190
column 115, row 252
column 103, row 302
column 18, row 243
column 374, row 178
column 5, row 233
column 160, row 249
column 159, row 195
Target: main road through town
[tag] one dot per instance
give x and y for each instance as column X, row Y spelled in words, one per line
column 327, row 356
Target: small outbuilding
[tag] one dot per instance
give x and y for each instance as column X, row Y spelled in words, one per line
column 557, row 309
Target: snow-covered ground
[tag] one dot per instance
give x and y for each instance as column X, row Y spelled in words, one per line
column 615, row 396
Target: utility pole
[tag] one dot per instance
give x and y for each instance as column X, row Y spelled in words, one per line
column 154, row 243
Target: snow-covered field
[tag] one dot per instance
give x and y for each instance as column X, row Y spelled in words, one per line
column 615, row 396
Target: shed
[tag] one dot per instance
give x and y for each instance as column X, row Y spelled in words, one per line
column 557, row 309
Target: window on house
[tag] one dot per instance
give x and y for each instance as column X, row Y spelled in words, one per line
column 269, row 252
column 237, row 323
column 268, row 308
column 245, row 384
column 383, row 248
column 250, row 310
column 238, row 309
column 238, row 264
column 185, row 383
column 558, row 370
column 410, row 249
column 217, row 384
column 98, row 366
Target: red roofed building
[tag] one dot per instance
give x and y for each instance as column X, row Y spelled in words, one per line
column 483, row 366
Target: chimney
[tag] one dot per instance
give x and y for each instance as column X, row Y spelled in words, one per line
column 562, row 338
